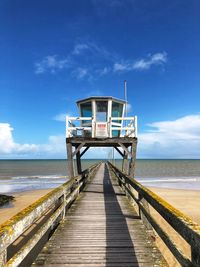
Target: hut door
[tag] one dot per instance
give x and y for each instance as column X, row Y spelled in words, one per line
column 101, row 118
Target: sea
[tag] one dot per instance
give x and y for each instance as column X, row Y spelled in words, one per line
column 25, row 175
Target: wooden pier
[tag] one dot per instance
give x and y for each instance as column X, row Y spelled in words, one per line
column 101, row 229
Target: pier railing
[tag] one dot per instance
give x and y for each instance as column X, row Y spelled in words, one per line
column 87, row 127
column 35, row 221
column 182, row 224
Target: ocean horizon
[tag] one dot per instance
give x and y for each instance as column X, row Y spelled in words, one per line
column 18, row 175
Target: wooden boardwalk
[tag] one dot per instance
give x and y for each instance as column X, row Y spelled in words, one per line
column 101, row 229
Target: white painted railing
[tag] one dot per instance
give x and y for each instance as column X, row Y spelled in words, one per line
column 86, row 127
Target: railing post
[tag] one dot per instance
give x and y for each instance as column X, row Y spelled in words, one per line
column 64, row 202
column 195, row 252
column 110, row 127
column 145, row 205
column 3, row 258
column 67, row 124
column 93, row 128
column 136, row 129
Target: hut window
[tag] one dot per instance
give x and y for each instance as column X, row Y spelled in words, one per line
column 117, row 109
column 86, row 109
column 101, row 110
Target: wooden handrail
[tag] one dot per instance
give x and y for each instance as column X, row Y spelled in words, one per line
column 181, row 223
column 58, row 200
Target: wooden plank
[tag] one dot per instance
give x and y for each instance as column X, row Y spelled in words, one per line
column 105, row 142
column 101, row 229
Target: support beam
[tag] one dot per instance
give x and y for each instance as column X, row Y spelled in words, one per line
column 125, row 165
column 78, row 162
column 118, row 151
column 78, row 149
column 70, row 160
column 125, row 148
column 86, row 149
column 133, row 160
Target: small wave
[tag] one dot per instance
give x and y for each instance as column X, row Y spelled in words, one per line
column 169, row 179
column 55, row 176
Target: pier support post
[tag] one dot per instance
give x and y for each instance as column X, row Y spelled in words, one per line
column 70, row 160
column 78, row 162
column 132, row 161
column 125, row 165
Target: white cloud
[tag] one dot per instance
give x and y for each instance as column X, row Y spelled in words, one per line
column 80, row 73
column 55, row 147
column 79, row 48
column 155, row 59
column 172, row 139
column 7, row 144
column 104, row 71
column 51, row 63
column 87, row 60
column 121, row 67
column 142, row 64
column 61, row 117
column 6, row 139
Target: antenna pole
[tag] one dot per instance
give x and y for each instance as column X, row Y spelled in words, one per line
column 125, row 96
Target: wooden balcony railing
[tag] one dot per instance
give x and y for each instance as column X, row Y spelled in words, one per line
column 86, row 126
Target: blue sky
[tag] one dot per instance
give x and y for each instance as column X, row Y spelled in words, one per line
column 53, row 53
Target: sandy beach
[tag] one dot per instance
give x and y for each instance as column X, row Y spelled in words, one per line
column 22, row 200
column 187, row 201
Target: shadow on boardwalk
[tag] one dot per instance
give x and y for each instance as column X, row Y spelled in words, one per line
column 119, row 246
